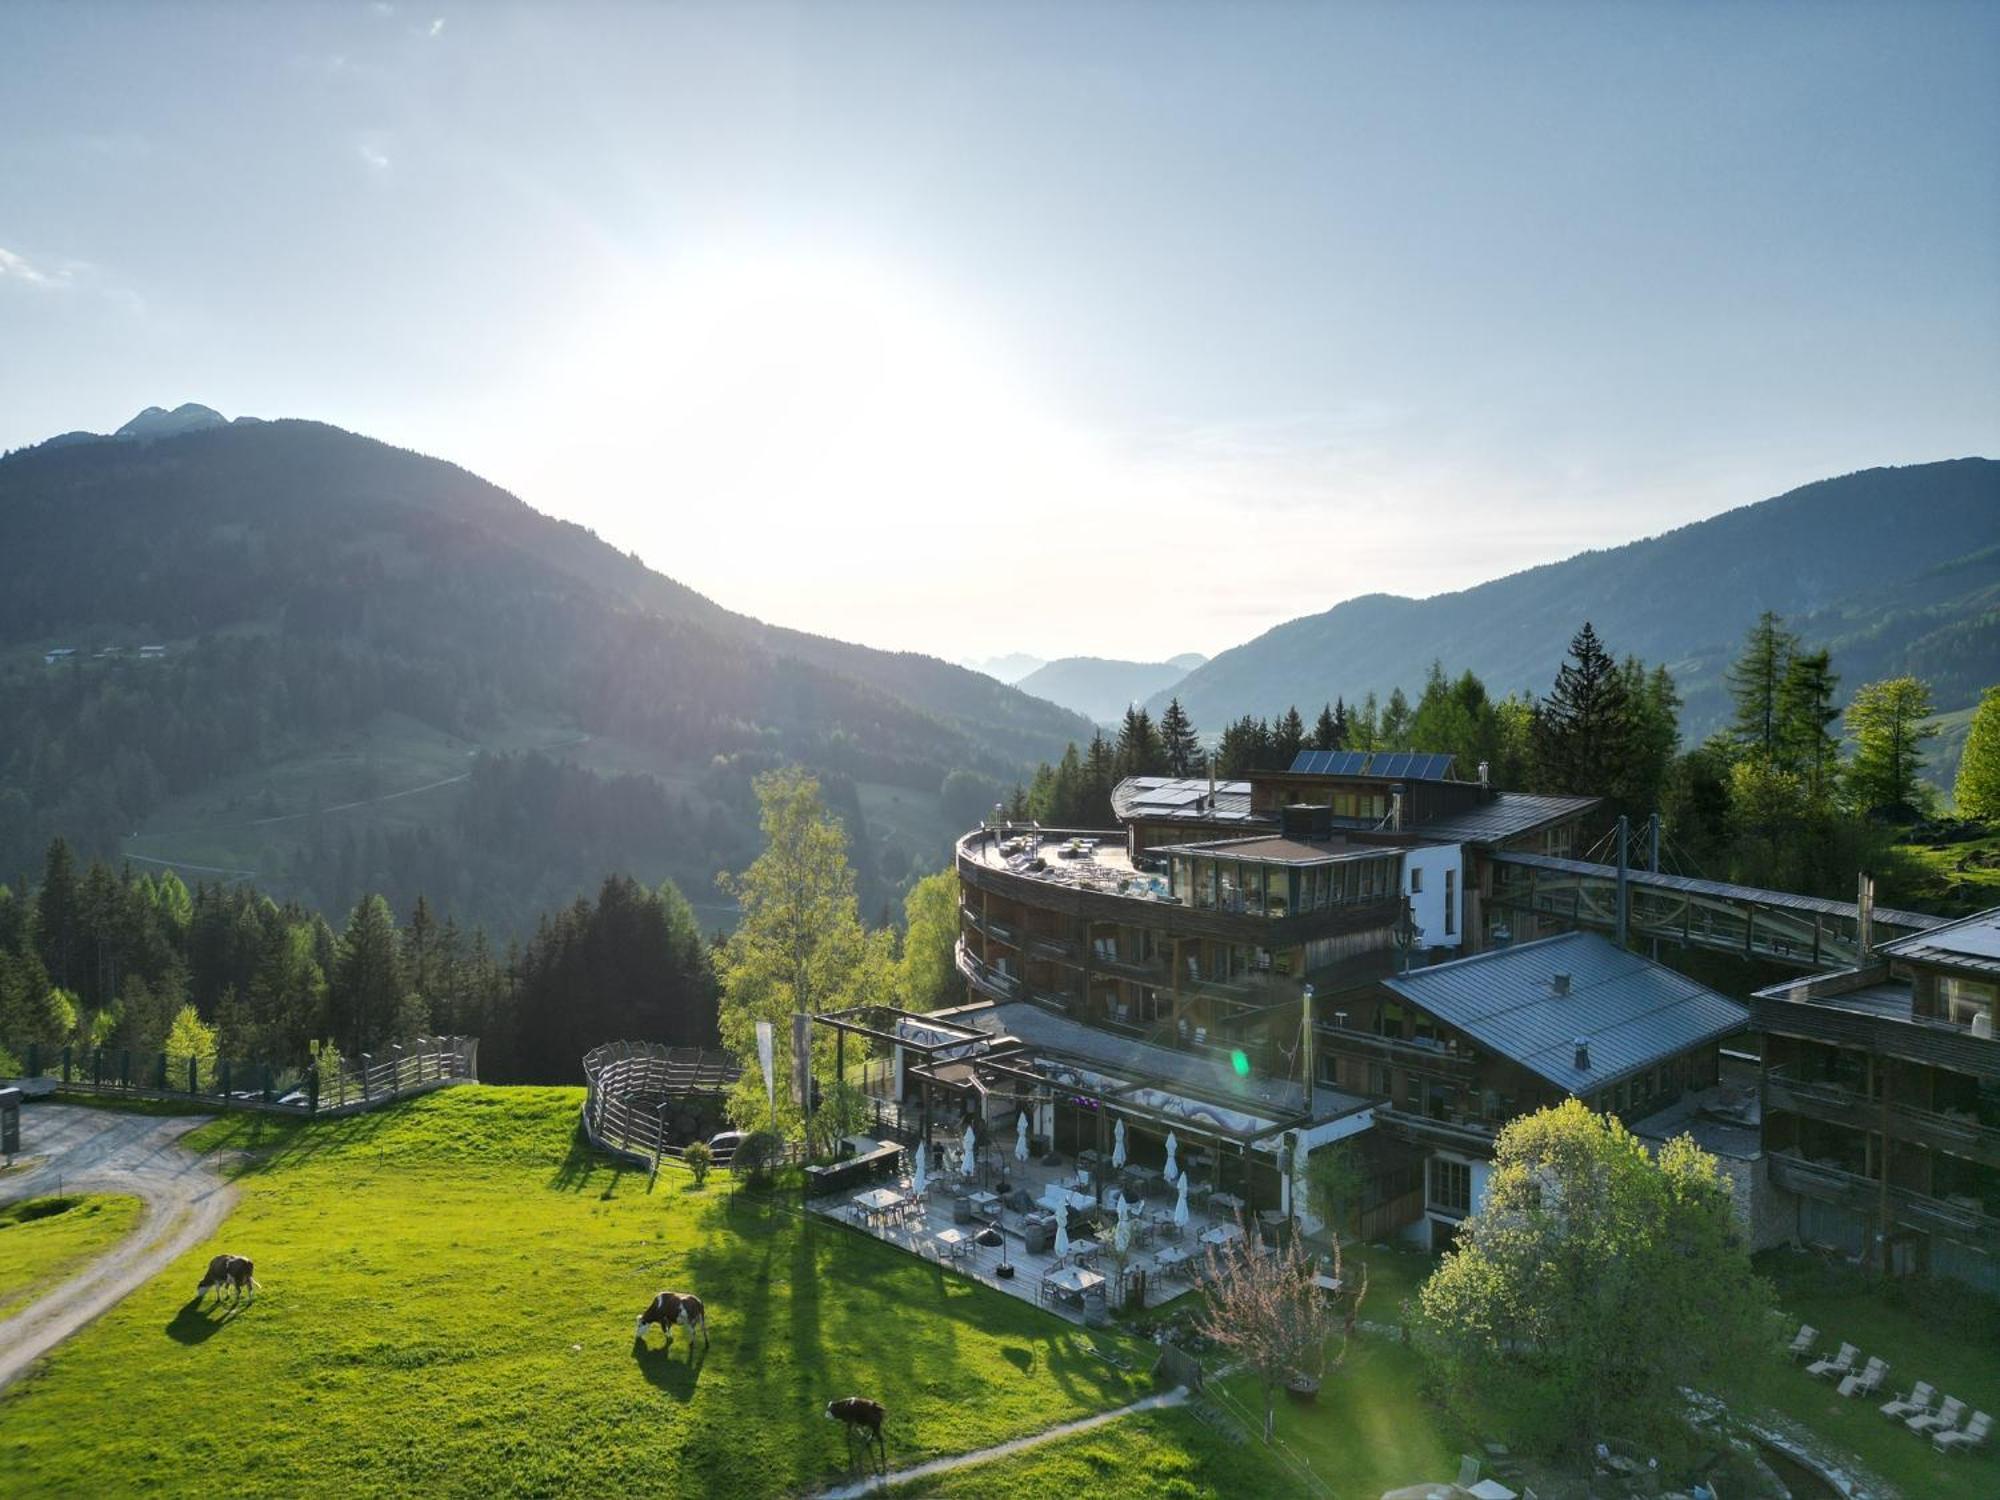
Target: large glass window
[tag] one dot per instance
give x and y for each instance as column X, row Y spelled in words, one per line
column 1964, row 1000
column 1450, row 1187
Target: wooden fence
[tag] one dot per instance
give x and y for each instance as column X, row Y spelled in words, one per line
column 396, row 1072
column 629, row 1081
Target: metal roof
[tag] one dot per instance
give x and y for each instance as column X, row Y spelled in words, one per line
column 1969, row 943
column 1508, row 815
column 1750, row 895
column 1183, row 798
column 1391, row 765
column 1271, row 850
column 1635, row 1013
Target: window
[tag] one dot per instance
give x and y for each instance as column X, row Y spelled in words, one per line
column 1416, row 880
column 1450, row 1187
column 1450, row 902
column 1964, row 999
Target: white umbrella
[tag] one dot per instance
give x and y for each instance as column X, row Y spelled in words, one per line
column 1173, row 1145
column 1180, row 1204
column 1118, row 1146
column 1122, row 1236
column 1062, row 1229
column 922, row 1178
column 1021, row 1136
column 1124, row 1217
column 971, row 1161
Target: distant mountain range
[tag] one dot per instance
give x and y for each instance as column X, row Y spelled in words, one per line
column 1896, row 570
column 325, row 598
column 1010, row 668
column 1103, row 689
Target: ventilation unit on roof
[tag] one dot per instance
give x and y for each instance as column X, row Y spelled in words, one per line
column 1583, row 1054
column 1559, row 982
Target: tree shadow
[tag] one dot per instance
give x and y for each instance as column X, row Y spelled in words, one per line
column 581, row 1165
column 676, row 1377
column 194, row 1325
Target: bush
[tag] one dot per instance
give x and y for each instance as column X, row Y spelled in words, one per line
column 698, row 1159
column 10, row 1065
column 756, row 1157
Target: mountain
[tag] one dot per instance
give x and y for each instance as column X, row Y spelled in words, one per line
column 1010, row 668
column 1187, row 661
column 156, row 422
column 1896, row 570
column 370, row 669
column 1102, row 689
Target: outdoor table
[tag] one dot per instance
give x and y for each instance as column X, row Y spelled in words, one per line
column 877, row 1201
column 954, row 1242
column 1226, row 1200
column 1082, row 1249
column 1074, row 1280
column 983, row 1202
column 1222, row 1234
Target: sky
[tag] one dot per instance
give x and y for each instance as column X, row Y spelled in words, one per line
column 1120, row 330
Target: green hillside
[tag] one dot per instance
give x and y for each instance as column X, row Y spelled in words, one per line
column 449, row 1292
column 1898, row 570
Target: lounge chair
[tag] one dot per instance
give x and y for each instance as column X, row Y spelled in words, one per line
column 1868, row 1382
column 1944, row 1419
column 1802, row 1341
column 1917, row 1402
column 1974, row 1435
column 1840, row 1364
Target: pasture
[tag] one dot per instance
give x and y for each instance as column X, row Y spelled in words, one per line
column 44, row 1240
column 449, row 1292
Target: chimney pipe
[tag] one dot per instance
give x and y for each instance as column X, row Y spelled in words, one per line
column 1559, row 982
column 1485, row 774
column 1583, row 1054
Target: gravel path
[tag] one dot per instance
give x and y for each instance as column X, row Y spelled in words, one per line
column 102, row 1151
column 868, row 1486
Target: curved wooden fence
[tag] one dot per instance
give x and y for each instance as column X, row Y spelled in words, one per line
column 627, row 1081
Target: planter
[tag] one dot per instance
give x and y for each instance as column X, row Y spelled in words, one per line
column 1303, row 1387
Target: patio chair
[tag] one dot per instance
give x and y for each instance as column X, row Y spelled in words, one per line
column 1840, row 1364
column 1944, row 1419
column 1868, row 1382
column 1802, row 1341
column 1914, row 1403
column 1974, row 1435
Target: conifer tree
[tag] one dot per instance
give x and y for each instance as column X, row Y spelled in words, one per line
column 1806, row 712
column 1583, row 729
column 1327, row 731
column 1756, row 683
column 1178, row 741
column 1287, row 740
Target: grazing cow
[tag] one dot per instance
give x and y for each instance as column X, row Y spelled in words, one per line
column 227, row 1270
column 858, row 1412
column 670, row 1308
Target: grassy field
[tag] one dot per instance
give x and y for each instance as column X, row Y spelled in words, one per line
column 449, row 1289
column 1953, row 879
column 1946, row 1335
column 45, row 1240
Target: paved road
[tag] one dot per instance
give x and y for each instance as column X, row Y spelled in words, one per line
column 103, row 1151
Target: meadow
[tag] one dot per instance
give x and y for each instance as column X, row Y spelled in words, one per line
column 449, row 1292
column 44, row 1240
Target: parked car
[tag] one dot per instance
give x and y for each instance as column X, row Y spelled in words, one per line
column 722, row 1147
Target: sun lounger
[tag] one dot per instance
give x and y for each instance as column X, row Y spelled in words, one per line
column 1915, row 1404
column 1802, row 1341
column 1944, row 1419
column 1974, row 1435
column 1839, row 1364
column 1868, row 1382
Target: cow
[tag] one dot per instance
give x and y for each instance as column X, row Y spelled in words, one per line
column 233, row 1271
column 670, row 1308
column 858, row 1412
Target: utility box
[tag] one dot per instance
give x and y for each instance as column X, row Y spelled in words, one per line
column 10, row 1122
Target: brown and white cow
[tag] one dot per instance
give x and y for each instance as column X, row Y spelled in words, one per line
column 227, row 1270
column 670, row 1308
column 858, row 1413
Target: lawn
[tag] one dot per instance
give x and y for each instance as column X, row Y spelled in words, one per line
column 449, row 1290
column 44, row 1240
column 1942, row 1333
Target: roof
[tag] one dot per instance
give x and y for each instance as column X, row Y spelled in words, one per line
column 1283, row 851
column 1387, row 765
column 1183, row 798
column 1634, row 1012
column 1508, row 815
column 1752, row 895
column 1043, row 1031
column 1970, row 943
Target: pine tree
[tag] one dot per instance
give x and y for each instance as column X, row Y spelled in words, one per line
column 1363, row 731
column 1138, row 745
column 1394, row 733
column 58, row 914
column 1100, row 775
column 1287, row 740
column 368, row 982
column 1583, row 729
column 1806, row 712
column 1977, row 789
column 1178, row 741
column 1888, row 722
column 1326, row 732
column 1756, row 682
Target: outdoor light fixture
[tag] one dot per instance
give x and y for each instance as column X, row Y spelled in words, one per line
column 1240, row 1061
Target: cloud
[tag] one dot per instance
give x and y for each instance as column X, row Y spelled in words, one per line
column 373, row 155
column 437, row 26
column 15, row 267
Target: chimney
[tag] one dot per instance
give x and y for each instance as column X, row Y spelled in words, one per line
column 1583, row 1054
column 1559, row 983
column 1485, row 774
column 1396, row 810
column 1864, row 915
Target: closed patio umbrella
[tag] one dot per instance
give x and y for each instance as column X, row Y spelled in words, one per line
column 1118, row 1145
column 1180, row 1204
column 1021, row 1136
column 922, row 1179
column 1173, row 1145
column 971, row 1162
column 1062, row 1229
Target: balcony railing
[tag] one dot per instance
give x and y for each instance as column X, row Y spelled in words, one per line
column 1834, row 1184
column 1463, row 1133
column 1434, row 1057
column 1959, row 1134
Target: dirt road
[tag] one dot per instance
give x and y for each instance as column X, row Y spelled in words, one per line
column 100, row 1151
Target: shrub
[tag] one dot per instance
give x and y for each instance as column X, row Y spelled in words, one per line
column 699, row 1159
column 756, row 1157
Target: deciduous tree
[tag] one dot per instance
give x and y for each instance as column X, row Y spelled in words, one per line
column 1266, row 1310
column 1889, row 722
column 1977, row 789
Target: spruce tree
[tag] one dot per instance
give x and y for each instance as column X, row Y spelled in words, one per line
column 1287, row 740
column 1178, row 740
column 1806, row 712
column 1756, row 682
column 1583, row 729
column 1326, row 732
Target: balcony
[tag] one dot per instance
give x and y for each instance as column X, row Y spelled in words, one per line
column 1463, row 1134
column 1960, row 1218
column 1845, row 1021
column 1960, row 1134
column 1431, row 1057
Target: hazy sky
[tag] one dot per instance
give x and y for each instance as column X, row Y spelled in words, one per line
column 1125, row 330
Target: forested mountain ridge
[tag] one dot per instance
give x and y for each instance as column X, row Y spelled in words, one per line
column 1103, row 688
column 308, row 581
column 1897, row 568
